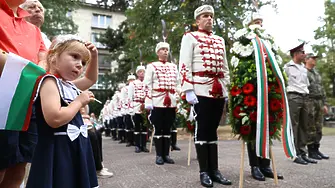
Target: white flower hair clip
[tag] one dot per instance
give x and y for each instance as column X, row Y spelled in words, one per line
column 61, row 39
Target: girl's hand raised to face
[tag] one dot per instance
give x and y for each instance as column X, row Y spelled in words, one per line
column 85, row 97
column 91, row 47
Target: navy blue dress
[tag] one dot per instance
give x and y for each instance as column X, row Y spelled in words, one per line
column 59, row 162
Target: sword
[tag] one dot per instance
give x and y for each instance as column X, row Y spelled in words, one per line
column 164, row 32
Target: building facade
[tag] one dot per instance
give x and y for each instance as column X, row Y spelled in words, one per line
column 93, row 21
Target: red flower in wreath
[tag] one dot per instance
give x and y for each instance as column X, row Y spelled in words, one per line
column 189, row 126
column 280, row 116
column 245, row 129
column 236, row 112
column 253, row 116
column 273, row 131
column 275, row 105
column 250, row 101
column 183, row 97
column 235, row 91
column 271, row 119
column 248, row 88
column 274, row 87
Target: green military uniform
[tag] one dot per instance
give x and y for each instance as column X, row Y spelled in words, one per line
column 317, row 99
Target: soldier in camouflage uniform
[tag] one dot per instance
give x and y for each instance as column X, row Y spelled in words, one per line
column 317, row 108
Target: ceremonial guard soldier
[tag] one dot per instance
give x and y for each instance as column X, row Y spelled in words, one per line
column 204, row 78
column 161, row 82
column 106, row 118
column 129, row 124
column 113, row 108
column 120, row 114
column 137, row 96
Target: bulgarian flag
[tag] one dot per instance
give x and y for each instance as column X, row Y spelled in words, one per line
column 17, row 83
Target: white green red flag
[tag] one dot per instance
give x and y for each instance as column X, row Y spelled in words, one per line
column 17, row 84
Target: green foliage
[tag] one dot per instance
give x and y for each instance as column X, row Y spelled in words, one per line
column 326, row 38
column 57, row 19
column 143, row 29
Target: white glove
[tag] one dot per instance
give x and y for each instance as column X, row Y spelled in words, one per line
column 191, row 97
column 148, row 106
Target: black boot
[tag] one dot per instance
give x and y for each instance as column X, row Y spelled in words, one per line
column 137, row 142
column 205, row 180
column 213, row 169
column 300, row 160
column 114, row 134
column 159, row 150
column 312, row 152
column 202, row 155
column 130, row 136
column 309, row 160
column 174, row 142
column 267, row 172
column 257, row 174
column 166, row 151
column 144, row 143
column 323, row 156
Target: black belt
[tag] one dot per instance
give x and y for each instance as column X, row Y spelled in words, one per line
column 300, row 94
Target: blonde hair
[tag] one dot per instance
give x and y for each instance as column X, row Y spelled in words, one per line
column 56, row 49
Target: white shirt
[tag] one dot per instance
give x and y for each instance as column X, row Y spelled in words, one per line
column 297, row 77
column 46, row 41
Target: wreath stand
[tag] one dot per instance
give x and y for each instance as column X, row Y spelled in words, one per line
column 189, row 150
column 242, row 166
column 151, row 140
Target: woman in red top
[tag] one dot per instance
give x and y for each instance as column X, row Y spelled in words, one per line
column 23, row 39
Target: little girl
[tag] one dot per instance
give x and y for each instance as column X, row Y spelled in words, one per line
column 63, row 157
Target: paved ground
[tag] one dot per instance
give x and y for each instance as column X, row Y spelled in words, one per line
column 133, row 170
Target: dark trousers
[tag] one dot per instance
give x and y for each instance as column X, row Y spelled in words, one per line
column 209, row 112
column 120, row 128
column 107, row 125
column 129, row 128
column 140, row 132
column 113, row 124
column 96, row 148
column 162, row 120
column 254, row 160
column 299, row 117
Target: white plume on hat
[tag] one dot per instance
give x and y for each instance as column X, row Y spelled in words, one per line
column 131, row 77
column 162, row 45
column 203, row 9
column 140, row 67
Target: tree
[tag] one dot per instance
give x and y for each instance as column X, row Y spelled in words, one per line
column 57, row 19
column 143, row 29
column 325, row 35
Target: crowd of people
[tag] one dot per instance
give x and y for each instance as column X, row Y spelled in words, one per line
column 64, row 144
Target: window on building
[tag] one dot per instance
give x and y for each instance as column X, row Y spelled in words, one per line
column 94, row 39
column 101, row 21
column 104, row 62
